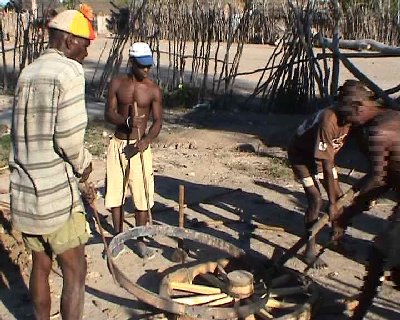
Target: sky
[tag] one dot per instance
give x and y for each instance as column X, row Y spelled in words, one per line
column 3, row 2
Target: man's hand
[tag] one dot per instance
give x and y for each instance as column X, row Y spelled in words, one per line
column 143, row 144
column 136, row 121
column 86, row 173
column 88, row 192
column 132, row 149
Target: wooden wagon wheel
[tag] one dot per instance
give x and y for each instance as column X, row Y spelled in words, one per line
column 250, row 299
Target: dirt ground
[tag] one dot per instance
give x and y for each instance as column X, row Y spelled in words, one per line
column 233, row 166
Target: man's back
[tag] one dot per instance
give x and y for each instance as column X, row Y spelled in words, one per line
column 384, row 141
column 49, row 119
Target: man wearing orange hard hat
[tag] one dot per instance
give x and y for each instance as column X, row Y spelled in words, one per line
column 48, row 159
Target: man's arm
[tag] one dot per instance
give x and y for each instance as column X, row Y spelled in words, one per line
column 157, row 119
column 325, row 152
column 380, row 140
column 111, row 114
column 71, row 121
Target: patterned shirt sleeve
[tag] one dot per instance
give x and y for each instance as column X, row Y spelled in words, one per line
column 71, row 123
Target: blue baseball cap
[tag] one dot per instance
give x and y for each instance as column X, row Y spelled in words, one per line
column 142, row 53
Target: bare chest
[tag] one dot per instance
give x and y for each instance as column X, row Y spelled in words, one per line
column 129, row 93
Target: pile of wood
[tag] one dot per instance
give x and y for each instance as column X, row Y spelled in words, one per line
column 292, row 80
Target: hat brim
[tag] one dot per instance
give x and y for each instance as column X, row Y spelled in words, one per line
column 144, row 61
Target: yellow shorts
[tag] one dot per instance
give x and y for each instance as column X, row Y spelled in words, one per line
column 72, row 234
column 115, row 176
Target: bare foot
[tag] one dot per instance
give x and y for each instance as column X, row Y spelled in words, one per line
column 314, row 262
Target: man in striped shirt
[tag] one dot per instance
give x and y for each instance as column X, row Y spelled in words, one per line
column 47, row 159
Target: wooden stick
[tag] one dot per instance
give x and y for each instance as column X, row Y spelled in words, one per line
column 276, row 304
column 191, row 301
column 264, row 314
column 195, row 288
column 96, row 216
column 181, row 221
column 146, row 186
column 313, row 231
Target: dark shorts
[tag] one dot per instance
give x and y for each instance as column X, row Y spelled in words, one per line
column 303, row 164
column 388, row 242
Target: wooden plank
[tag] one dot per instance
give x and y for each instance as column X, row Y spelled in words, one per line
column 195, row 288
column 192, row 301
column 220, row 302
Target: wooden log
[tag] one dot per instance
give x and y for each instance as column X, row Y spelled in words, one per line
column 240, row 283
column 359, row 55
column 369, row 83
column 361, row 44
column 195, row 288
column 195, row 300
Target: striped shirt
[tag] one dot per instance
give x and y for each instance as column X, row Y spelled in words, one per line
column 47, row 153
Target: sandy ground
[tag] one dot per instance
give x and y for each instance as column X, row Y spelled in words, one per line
column 236, row 159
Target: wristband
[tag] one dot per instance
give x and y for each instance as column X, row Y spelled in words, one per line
column 127, row 122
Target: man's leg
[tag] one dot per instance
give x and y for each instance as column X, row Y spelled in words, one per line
column 118, row 219
column 311, row 216
column 314, row 202
column 39, row 284
column 118, row 223
column 141, row 218
column 371, row 283
column 73, row 266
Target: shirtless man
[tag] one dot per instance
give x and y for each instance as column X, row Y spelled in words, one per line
column 124, row 168
column 384, row 174
column 312, row 152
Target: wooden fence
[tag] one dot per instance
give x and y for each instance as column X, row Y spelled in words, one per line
column 209, row 33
